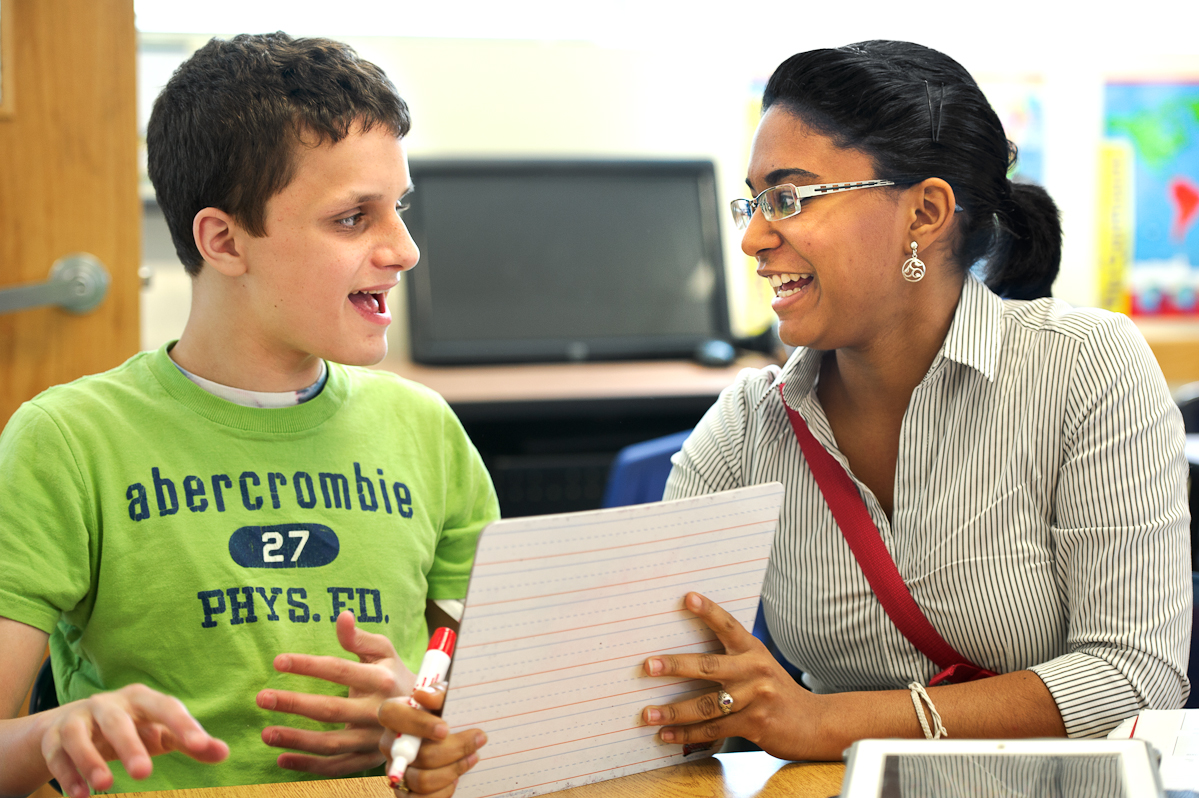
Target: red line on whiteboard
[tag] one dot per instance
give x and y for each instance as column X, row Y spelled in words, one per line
column 597, row 625
column 592, row 662
column 619, row 584
column 623, row 545
column 564, row 742
column 468, row 723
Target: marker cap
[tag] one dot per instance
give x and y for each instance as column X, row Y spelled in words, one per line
column 443, row 640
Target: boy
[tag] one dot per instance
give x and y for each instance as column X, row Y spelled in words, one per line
column 174, row 524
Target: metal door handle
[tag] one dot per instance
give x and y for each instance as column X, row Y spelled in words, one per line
column 78, row 282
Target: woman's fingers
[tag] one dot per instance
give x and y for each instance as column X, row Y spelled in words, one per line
column 705, row 707
column 397, row 715
column 706, row 732
column 438, row 765
column 730, row 631
column 711, row 666
column 455, row 748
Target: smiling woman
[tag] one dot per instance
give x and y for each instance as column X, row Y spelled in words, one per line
column 1013, row 466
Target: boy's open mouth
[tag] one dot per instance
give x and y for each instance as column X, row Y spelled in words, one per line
column 370, row 302
column 788, row 284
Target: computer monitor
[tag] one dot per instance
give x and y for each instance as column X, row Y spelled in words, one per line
column 564, row 260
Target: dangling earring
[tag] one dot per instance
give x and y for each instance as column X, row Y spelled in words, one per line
column 913, row 267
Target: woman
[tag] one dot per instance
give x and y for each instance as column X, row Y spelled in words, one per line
column 1021, row 460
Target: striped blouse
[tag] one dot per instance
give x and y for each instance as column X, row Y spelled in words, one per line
column 1040, row 514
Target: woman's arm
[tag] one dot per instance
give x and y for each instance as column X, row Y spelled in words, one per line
column 789, row 722
column 73, row 743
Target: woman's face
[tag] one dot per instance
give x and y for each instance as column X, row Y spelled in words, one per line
column 840, row 257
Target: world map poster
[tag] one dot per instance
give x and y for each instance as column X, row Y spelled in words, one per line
column 1156, row 127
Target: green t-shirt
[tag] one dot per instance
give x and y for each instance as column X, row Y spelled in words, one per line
column 168, row 537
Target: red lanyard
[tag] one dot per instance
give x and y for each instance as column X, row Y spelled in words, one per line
column 866, row 543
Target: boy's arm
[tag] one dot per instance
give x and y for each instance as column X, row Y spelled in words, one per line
column 21, row 649
column 73, row 743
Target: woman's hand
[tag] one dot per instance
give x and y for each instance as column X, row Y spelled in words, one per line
column 379, row 674
column 132, row 724
column 769, row 708
column 443, row 756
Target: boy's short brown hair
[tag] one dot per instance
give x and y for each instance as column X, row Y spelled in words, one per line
column 223, row 131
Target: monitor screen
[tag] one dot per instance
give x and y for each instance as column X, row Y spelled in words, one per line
column 564, row 260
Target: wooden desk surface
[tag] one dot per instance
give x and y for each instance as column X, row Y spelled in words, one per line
column 532, row 382
column 726, row 776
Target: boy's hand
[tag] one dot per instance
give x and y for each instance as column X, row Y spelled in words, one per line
column 443, row 756
column 379, row 674
column 131, row 724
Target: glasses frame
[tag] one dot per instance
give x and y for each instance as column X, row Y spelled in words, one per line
column 743, row 209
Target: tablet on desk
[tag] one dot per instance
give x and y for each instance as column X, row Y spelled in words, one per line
column 984, row 768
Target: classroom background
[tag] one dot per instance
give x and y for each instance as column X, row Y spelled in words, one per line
column 1103, row 101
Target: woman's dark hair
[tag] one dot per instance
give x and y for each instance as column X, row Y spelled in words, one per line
column 224, row 131
column 918, row 114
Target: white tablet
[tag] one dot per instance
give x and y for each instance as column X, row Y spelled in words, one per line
column 984, row 768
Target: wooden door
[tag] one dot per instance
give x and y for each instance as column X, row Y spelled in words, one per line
column 68, row 183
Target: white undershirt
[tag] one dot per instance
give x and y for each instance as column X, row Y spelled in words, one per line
column 264, row 399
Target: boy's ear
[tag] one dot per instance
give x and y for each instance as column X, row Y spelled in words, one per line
column 933, row 210
column 218, row 237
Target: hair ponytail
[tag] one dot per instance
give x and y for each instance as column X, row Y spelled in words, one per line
column 918, row 114
column 1027, row 253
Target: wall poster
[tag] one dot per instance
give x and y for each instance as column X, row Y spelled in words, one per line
column 1151, row 167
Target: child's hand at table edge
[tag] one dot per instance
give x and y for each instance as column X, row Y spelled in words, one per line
column 133, row 725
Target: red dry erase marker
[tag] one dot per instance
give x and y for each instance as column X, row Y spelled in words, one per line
column 433, row 669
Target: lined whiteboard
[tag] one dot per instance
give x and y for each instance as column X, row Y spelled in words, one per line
column 561, row 614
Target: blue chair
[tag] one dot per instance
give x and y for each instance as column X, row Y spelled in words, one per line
column 638, row 475
column 1193, row 666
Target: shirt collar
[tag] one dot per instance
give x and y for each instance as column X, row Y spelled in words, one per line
column 973, row 340
column 976, row 332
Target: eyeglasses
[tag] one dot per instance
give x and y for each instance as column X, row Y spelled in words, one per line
column 783, row 201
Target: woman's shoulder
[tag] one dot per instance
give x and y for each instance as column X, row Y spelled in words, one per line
column 1054, row 316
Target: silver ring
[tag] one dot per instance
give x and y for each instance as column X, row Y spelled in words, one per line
column 725, row 701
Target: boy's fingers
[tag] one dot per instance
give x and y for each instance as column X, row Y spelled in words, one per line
column 63, row 769
column 75, row 740
column 365, row 678
column 325, row 708
column 324, row 743
column 369, row 647
column 330, row 766
column 455, row 748
column 186, row 733
column 122, row 736
column 396, row 715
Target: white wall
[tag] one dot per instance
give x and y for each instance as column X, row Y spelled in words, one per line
column 673, row 79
